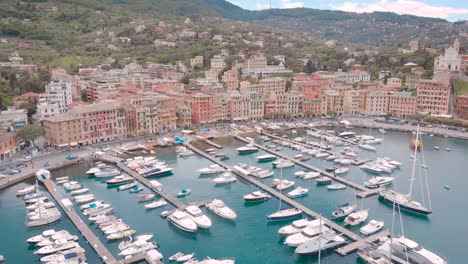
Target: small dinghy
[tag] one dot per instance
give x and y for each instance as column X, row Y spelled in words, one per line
column 175, row 256
column 184, row 192
column 146, row 197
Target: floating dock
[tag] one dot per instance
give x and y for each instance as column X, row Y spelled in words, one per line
column 363, row 191
column 171, row 199
column 209, row 142
column 95, row 243
column 278, row 195
column 360, row 243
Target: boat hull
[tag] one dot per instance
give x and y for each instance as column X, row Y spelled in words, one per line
column 405, row 207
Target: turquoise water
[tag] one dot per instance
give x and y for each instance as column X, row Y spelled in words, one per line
column 251, row 238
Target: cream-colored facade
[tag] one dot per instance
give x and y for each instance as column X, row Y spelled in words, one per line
column 351, row 102
column 377, row 103
column 63, row 130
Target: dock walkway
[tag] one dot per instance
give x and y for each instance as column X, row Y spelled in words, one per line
column 29, row 172
column 363, row 191
column 278, row 195
column 100, row 249
column 360, row 243
column 209, row 142
column 171, row 199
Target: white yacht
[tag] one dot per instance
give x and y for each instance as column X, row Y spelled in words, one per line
column 218, row 207
column 341, row 170
column 298, row 192
column 250, row 148
column 213, row 169
column 336, row 186
column 226, row 177
column 198, row 216
column 378, row 181
column 26, row 190
column 138, row 247
column 161, row 202
column 60, row 256
column 372, row 227
column 367, row 147
column 310, row 175
column 182, row 221
column 266, row 158
column 262, row 174
column 342, row 211
column 282, row 163
column 323, row 242
column 44, row 235
column 356, row 218
column 120, row 235
column 256, row 196
column 59, row 245
column 294, row 228
column 282, row 184
column 93, row 170
column 104, row 173
column 313, row 229
column 284, row 214
column 405, row 251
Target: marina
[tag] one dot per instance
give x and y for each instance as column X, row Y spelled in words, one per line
column 251, row 218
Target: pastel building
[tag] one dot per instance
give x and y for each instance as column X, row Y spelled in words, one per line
column 351, row 102
column 377, row 103
column 13, row 119
column 8, row 144
column 275, row 85
column 231, row 79
column 63, row 130
column 434, row 95
column 402, row 104
column 200, row 105
column 461, row 106
column 100, row 122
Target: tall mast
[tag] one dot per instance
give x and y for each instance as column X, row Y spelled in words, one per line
column 320, row 239
column 414, row 164
column 281, row 181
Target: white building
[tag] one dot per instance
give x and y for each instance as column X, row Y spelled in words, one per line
column 217, row 62
column 55, row 100
column 13, row 119
column 451, row 60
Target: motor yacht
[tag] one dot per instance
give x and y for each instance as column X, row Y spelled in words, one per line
column 213, row 169
column 356, row 218
column 127, row 186
column 184, row 192
column 256, row 196
column 294, row 228
column 323, row 180
column 336, row 186
column 323, row 242
column 378, row 181
column 119, row 180
column 282, row 184
column 262, row 174
column 341, row 170
column 226, row 177
column 282, row 164
column 105, row 173
column 26, row 190
column 219, row 208
column 59, row 245
column 198, row 217
column 266, row 158
column 298, row 192
column 310, row 175
column 342, row 211
column 371, row 169
column 313, row 229
column 160, row 203
column 138, row 247
column 38, row 238
column 79, row 191
column 121, row 234
column 372, row 227
column 182, row 221
column 146, row 197
column 405, row 251
column 248, row 149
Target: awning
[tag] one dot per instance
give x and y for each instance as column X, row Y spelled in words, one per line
column 73, row 144
column 62, row 145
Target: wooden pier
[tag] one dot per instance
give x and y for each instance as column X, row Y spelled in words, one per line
column 209, row 142
column 171, row 199
column 328, row 134
column 360, row 243
column 100, row 249
column 307, row 211
column 363, row 191
column 355, row 162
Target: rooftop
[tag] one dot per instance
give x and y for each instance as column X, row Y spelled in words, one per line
column 61, row 118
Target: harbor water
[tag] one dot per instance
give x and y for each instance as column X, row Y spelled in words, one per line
column 251, row 238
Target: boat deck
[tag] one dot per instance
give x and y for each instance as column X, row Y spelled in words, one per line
column 171, row 199
column 198, row 204
column 328, row 134
column 92, row 239
column 307, row 211
column 360, row 243
column 363, row 191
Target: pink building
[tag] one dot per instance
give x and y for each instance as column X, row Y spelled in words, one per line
column 433, row 96
column 231, row 79
column 104, row 121
column 201, row 106
column 461, row 106
column 402, row 104
column 239, row 106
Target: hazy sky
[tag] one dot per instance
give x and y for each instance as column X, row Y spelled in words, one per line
column 452, row 10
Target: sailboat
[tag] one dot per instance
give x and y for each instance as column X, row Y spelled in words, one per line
column 44, row 216
column 404, row 201
column 284, row 214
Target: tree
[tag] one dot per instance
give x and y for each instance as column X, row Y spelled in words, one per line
column 31, row 133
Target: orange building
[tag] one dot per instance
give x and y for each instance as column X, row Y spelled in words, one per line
column 201, row 106
column 8, row 142
column 402, row 104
